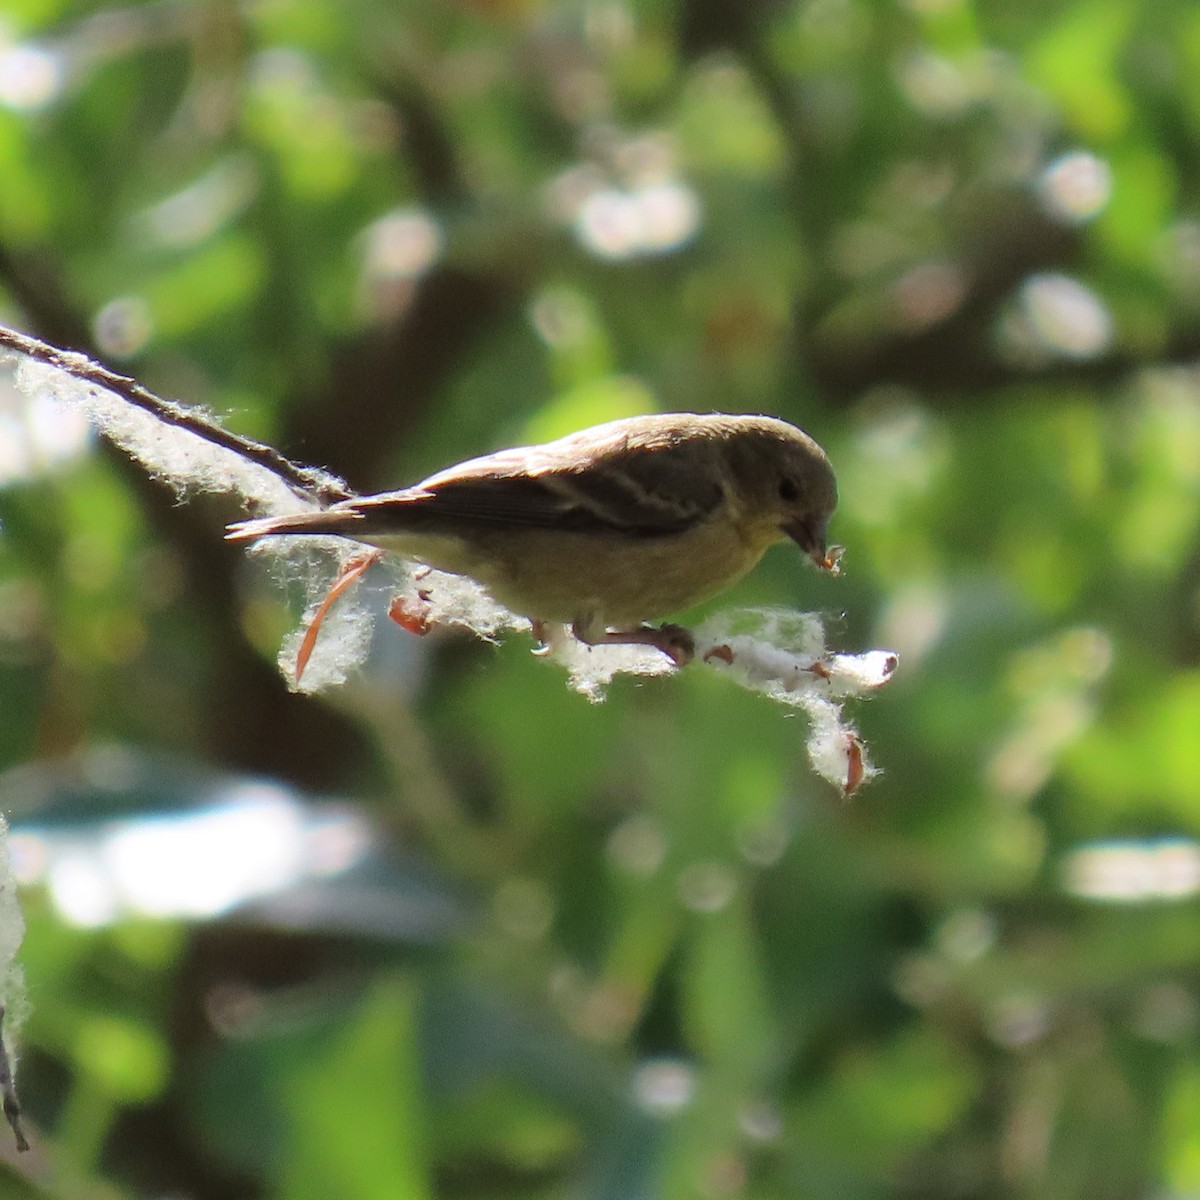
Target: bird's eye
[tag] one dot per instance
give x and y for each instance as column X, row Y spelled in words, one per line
column 788, row 491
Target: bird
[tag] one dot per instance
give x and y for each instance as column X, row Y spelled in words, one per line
column 606, row 529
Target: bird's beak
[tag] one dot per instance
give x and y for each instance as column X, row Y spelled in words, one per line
column 809, row 535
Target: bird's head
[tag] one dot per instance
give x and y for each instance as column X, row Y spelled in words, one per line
column 787, row 482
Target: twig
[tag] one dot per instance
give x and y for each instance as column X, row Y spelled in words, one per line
column 304, row 480
column 350, row 572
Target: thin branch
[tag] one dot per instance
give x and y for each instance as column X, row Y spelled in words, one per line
column 306, row 481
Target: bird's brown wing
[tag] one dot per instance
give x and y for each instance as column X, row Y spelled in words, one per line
column 621, row 488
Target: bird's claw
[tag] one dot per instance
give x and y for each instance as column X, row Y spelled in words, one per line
column 676, row 642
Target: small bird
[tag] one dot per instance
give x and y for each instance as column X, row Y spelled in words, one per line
column 608, row 528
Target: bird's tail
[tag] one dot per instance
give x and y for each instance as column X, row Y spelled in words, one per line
column 321, row 521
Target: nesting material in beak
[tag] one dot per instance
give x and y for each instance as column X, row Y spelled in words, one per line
column 809, row 535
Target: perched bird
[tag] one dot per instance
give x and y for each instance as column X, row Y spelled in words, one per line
column 607, row 528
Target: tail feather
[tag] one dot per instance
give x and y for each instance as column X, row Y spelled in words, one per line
column 318, row 522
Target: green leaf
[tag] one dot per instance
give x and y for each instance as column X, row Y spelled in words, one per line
column 1076, row 60
column 356, row 1110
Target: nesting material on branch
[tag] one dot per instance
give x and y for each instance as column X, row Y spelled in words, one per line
column 778, row 652
column 186, row 460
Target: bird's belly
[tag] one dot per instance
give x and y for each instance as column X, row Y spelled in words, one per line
column 561, row 576
column 558, row 575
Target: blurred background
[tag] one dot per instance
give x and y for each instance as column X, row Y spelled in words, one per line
column 451, row 930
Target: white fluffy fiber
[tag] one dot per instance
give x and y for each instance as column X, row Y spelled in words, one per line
column 778, row 652
column 13, row 995
column 182, row 459
column 12, row 931
column 783, row 654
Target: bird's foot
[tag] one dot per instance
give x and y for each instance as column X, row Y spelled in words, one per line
column 676, row 642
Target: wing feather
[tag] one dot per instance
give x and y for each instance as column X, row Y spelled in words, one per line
column 641, row 477
column 615, row 485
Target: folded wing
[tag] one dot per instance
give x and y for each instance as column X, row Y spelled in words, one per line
column 622, row 487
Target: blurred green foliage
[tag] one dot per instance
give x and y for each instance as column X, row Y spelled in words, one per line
column 957, row 241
